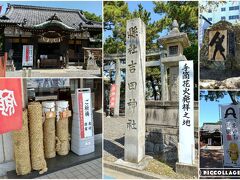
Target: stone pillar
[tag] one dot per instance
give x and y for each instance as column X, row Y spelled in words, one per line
column 173, row 83
column 164, row 95
column 35, row 51
column 134, row 148
column 24, row 93
column 118, row 87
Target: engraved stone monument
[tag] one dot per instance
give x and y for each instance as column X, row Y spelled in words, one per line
column 135, row 91
column 177, row 93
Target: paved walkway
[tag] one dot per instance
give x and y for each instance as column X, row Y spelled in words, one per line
column 70, row 72
column 112, row 174
column 211, row 158
column 114, row 130
column 88, row 170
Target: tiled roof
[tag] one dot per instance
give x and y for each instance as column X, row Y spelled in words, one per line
column 35, row 15
column 211, row 127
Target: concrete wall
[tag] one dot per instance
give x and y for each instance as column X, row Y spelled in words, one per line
column 162, row 128
column 6, row 153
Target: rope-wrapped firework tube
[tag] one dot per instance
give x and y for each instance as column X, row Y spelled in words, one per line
column 49, row 137
column 63, row 136
column 21, row 147
column 36, row 137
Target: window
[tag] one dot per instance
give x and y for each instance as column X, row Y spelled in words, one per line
column 233, row 17
column 223, row 18
column 173, row 50
column 233, row 8
column 223, row 9
column 210, row 19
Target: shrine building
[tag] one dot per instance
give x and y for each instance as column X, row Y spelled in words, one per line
column 46, row 37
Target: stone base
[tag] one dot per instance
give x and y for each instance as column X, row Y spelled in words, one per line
column 139, row 166
column 91, row 67
column 191, row 170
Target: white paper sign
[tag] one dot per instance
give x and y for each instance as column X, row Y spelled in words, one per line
column 85, row 112
column 230, row 131
column 27, row 56
column 186, row 152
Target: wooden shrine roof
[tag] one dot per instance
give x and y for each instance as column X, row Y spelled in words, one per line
column 31, row 16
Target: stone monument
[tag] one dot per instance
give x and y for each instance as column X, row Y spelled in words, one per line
column 135, row 91
column 174, row 42
column 134, row 147
column 92, row 58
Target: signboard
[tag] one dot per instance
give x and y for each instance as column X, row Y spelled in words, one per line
column 113, row 96
column 27, row 57
column 230, row 131
column 217, row 47
column 10, row 105
column 186, row 113
column 48, row 83
column 85, row 112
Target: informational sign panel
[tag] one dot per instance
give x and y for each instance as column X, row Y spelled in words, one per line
column 230, row 131
column 27, row 56
column 10, row 105
column 218, row 47
column 113, row 96
column 186, row 113
column 85, row 113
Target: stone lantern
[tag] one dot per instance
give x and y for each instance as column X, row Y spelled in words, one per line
column 174, row 43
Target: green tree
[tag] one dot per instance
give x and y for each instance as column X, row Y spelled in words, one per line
column 216, row 95
column 92, row 16
column 185, row 12
column 116, row 14
column 210, row 5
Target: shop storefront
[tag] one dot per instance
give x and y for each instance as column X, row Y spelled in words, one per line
column 61, row 127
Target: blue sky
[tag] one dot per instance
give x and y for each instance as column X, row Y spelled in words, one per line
column 209, row 110
column 148, row 5
column 91, row 6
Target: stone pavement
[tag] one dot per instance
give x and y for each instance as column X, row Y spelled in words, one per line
column 114, row 130
column 70, row 72
column 88, row 170
column 112, row 174
column 211, row 158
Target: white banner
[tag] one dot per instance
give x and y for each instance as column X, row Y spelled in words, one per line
column 85, row 112
column 186, row 151
column 230, row 132
column 27, row 56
